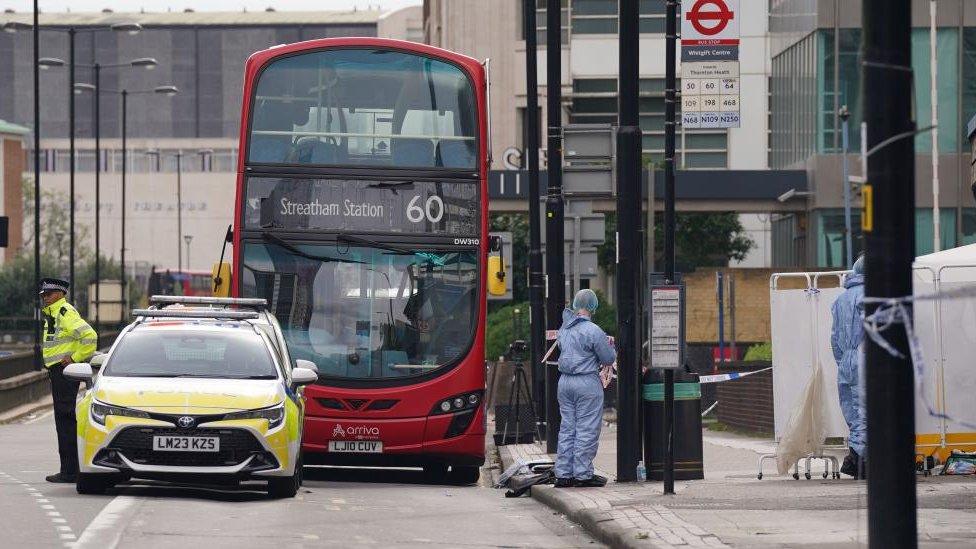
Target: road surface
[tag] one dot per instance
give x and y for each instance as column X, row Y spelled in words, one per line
column 335, row 507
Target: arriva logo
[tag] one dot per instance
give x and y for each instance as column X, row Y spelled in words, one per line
column 357, row 431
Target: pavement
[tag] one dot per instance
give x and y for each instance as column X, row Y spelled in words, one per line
column 336, row 507
column 732, row 508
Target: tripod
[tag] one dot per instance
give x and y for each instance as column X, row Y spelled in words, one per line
column 519, row 384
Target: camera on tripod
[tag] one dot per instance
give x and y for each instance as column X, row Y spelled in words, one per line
column 516, row 421
column 518, row 350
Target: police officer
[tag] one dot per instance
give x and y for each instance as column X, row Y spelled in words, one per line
column 67, row 338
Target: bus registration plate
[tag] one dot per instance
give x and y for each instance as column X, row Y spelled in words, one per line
column 356, row 446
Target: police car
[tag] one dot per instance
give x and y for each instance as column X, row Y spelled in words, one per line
column 197, row 389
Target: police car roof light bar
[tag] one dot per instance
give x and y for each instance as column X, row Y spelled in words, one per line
column 258, row 303
column 197, row 313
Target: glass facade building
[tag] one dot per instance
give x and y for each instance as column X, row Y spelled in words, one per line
column 816, row 66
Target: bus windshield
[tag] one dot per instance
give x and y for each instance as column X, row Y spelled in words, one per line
column 368, row 312
column 363, row 107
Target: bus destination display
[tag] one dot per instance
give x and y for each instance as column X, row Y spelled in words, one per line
column 412, row 207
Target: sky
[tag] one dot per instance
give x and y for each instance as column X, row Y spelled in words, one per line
column 50, row 6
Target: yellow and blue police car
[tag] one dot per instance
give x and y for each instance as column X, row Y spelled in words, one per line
column 198, row 390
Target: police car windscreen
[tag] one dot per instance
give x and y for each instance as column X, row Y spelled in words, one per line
column 152, row 352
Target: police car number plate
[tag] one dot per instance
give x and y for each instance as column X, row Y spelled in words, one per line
column 186, row 444
column 356, row 446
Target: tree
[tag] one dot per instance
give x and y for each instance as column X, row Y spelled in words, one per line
column 710, row 239
column 18, row 296
column 55, row 228
column 500, row 328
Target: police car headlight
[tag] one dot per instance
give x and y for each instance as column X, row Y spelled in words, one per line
column 275, row 415
column 99, row 410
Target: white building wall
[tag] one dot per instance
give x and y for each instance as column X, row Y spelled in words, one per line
column 151, row 220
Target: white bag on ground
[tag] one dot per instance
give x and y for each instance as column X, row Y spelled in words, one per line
column 805, row 432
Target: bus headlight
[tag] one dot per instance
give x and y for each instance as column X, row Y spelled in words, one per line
column 274, row 414
column 457, row 403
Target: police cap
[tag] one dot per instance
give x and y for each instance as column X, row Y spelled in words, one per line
column 53, row 285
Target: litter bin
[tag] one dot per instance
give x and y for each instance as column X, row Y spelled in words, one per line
column 687, row 427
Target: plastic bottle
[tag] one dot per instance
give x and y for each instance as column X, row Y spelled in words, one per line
column 641, row 471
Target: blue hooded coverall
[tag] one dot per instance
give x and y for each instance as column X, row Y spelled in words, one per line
column 583, row 348
column 846, row 337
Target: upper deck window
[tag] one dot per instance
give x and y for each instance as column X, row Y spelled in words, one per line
column 364, row 107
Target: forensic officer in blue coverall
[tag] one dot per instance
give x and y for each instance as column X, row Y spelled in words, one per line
column 846, row 338
column 583, row 348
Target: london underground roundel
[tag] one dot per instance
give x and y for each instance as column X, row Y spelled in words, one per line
column 709, row 21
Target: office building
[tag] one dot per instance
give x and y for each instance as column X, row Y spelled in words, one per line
column 816, row 70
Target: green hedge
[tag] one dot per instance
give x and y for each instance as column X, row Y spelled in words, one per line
column 760, row 351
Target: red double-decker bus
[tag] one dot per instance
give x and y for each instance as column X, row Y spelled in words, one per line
column 362, row 219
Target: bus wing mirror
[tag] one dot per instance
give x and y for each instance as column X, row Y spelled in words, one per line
column 221, row 279
column 496, row 268
column 496, row 275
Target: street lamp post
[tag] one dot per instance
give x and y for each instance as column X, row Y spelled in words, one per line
column 15, row 26
column 144, row 62
column 179, row 201
column 98, row 203
column 188, row 238
column 38, row 359
column 179, row 208
column 848, row 240
column 125, row 108
column 168, row 91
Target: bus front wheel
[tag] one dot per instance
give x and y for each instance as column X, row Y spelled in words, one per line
column 464, row 474
column 435, row 472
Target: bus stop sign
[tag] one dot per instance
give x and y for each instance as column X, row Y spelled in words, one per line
column 710, row 19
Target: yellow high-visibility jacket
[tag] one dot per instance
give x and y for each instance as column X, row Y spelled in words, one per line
column 66, row 334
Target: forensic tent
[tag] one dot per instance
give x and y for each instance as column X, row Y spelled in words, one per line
column 946, row 330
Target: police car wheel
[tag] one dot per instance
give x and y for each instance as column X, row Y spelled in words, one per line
column 301, row 469
column 285, row 487
column 91, row 484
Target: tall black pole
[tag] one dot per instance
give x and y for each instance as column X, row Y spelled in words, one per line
column 537, row 314
column 671, row 30
column 556, row 283
column 98, row 189
column 125, row 108
column 887, row 80
column 71, row 162
column 179, row 211
column 38, row 359
column 629, row 247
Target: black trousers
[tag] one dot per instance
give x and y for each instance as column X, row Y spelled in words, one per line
column 65, row 393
